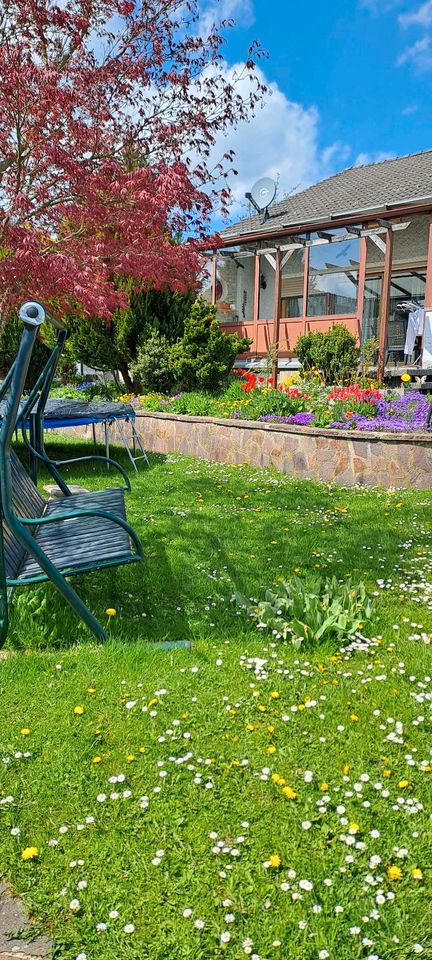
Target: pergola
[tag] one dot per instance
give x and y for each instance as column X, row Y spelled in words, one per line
column 391, row 236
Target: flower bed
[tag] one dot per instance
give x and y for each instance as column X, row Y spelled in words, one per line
column 304, row 403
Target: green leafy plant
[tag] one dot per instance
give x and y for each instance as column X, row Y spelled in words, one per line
column 334, row 353
column 311, row 611
column 152, row 369
column 204, row 357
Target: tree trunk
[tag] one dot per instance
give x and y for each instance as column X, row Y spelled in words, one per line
column 127, row 378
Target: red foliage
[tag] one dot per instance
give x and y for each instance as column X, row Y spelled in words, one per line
column 108, row 112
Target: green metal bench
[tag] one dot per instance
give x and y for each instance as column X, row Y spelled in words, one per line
column 50, row 540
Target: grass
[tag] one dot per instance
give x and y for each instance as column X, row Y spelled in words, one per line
column 208, row 735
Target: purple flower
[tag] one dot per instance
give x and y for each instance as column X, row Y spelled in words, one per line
column 301, row 419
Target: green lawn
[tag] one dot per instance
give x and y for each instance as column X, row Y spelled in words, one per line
column 203, row 742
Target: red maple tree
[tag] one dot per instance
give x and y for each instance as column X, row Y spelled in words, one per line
column 109, row 110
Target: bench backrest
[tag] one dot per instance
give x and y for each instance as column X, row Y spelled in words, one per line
column 26, row 502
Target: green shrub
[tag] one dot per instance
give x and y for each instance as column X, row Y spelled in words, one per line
column 204, row 357
column 334, row 353
column 152, row 369
column 311, row 611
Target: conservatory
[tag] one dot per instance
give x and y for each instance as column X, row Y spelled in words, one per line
column 354, row 249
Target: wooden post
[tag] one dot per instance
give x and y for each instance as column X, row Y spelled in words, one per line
column 214, row 277
column 428, row 290
column 256, row 300
column 276, row 317
column 384, row 305
column 305, row 287
column 360, row 287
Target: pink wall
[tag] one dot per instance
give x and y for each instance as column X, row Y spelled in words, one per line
column 262, row 333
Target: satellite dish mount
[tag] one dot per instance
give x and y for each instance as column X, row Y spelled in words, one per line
column 262, row 195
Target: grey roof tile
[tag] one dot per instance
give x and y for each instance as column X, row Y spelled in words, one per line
column 372, row 185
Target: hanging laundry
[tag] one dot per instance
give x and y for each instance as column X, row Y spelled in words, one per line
column 414, row 329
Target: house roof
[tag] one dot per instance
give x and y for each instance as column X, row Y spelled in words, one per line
column 372, row 186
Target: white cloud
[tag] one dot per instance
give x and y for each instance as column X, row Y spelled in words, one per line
column 419, row 55
column 379, row 6
column 281, row 141
column 214, row 11
column 420, row 18
column 364, row 158
column 410, row 109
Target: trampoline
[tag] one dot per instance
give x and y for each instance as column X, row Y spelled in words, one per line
column 63, row 414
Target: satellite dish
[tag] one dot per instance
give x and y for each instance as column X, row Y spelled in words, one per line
column 262, row 195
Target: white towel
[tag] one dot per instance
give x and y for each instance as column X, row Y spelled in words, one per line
column 415, row 329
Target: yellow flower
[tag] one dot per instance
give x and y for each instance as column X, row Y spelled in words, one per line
column 387, row 773
column 354, row 828
column 271, row 749
column 111, row 612
column 97, row 760
column 30, row 853
column 91, row 690
column 130, row 757
column 262, row 708
column 79, row 711
column 403, row 784
column 25, row 731
column 250, row 726
column 275, row 860
column 153, row 702
column 289, row 793
column 275, row 695
column 394, row 873
column 346, row 769
column 353, row 717
column 324, row 787
column 416, row 874
column 142, row 749
column 405, row 378
column 270, row 728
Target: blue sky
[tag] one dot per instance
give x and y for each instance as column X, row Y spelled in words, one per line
column 351, row 82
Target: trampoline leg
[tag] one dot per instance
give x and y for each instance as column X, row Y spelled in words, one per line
column 94, row 434
column 107, row 445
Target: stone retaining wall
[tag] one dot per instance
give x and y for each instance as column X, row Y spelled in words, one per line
column 383, row 459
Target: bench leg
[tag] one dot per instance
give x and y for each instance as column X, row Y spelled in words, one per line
column 4, row 613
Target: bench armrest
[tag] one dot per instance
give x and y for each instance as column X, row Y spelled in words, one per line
column 91, row 456
column 77, row 514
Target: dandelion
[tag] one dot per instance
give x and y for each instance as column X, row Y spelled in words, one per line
column 289, row 793
column 129, row 928
column 275, row 860
column 187, row 912
column 97, row 760
column 111, row 612
column 225, row 936
column 100, row 927
column 74, row 905
column 199, row 924
column 113, row 914
column 78, row 711
column 25, row 731
column 323, row 954
column 30, row 853
column 417, row 874
column 394, row 873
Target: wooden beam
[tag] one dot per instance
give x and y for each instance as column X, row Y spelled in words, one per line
column 287, row 256
column 214, row 278
column 271, row 260
column 428, row 290
column 326, row 236
column 257, row 277
column 385, row 306
column 276, row 316
column 361, row 286
column 381, row 244
column 305, row 287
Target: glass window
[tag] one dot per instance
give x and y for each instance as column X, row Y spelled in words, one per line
column 235, row 286
column 333, row 278
column 266, row 288
column 292, row 278
column 205, row 282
